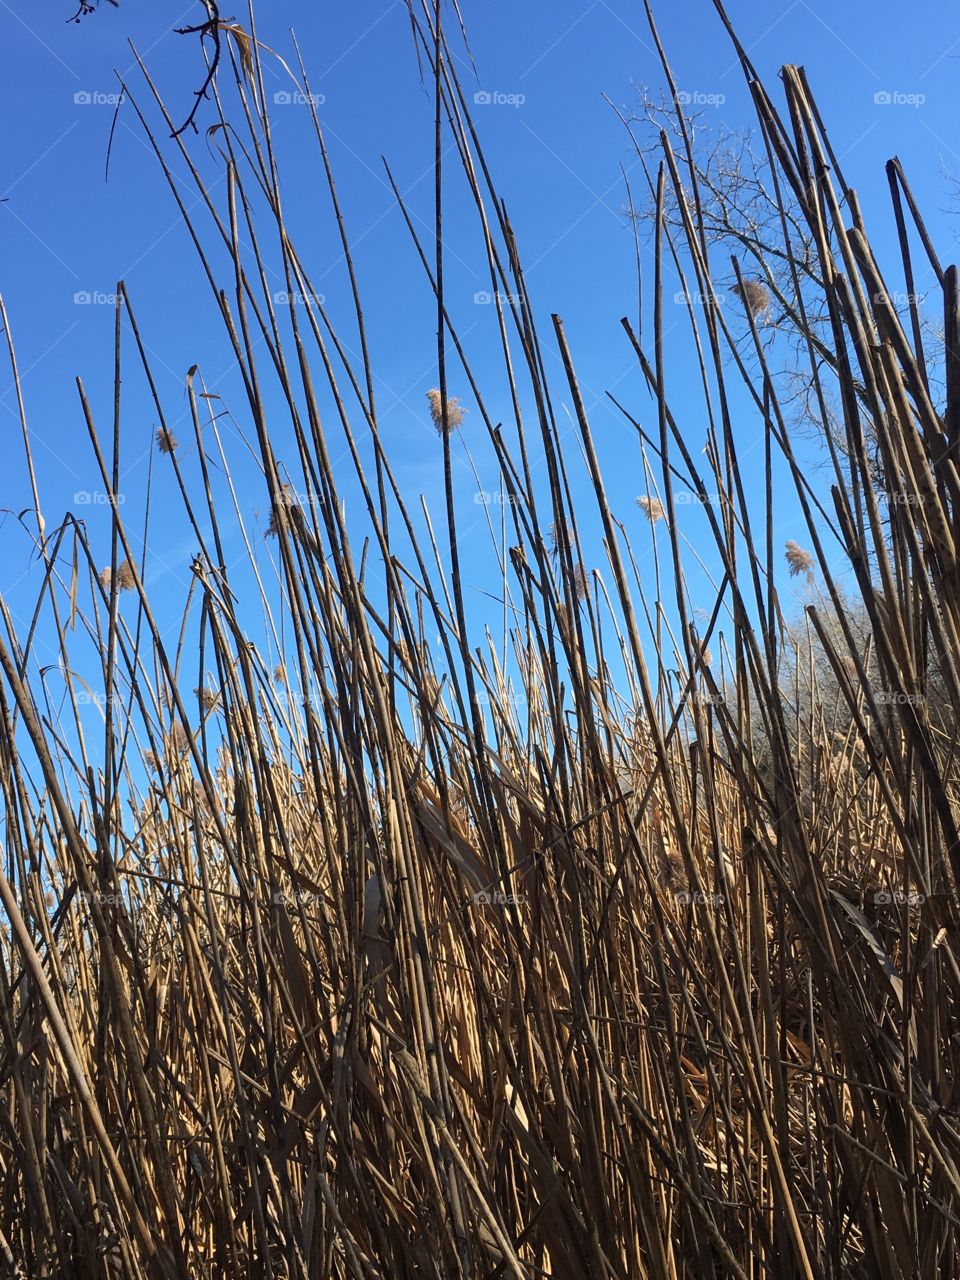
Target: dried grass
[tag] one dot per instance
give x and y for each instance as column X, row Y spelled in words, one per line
column 539, row 959
column 455, row 412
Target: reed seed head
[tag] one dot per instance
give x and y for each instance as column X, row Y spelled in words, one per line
column 798, row 560
column 126, row 577
column 455, row 411
column 652, row 508
column 166, row 441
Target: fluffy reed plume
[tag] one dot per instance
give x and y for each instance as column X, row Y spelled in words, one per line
column 652, row 508
column 670, row 870
column 755, row 295
column 554, row 534
column 286, row 500
column 176, row 739
column 798, row 560
column 413, row 984
column 126, row 576
column 166, row 441
column 208, row 698
column 455, row 410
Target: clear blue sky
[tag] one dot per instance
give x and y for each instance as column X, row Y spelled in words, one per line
column 556, row 154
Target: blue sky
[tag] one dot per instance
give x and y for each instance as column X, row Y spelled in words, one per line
column 556, row 151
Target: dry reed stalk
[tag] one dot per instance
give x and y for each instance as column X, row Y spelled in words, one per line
column 493, row 963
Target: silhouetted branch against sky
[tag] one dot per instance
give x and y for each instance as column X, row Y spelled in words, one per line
column 208, row 29
column 86, row 8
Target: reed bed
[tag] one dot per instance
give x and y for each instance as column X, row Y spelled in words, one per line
column 566, row 955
